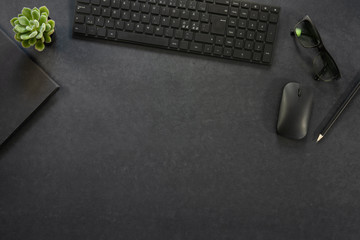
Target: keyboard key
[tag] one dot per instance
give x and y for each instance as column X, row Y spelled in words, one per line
column 83, row 9
column 175, row 23
column 79, row 28
column 244, row 13
column 169, row 32
column 250, row 35
column 159, row 31
column 99, row 21
column 242, row 23
column 149, row 29
column 229, row 42
column 273, row 18
column 129, row 26
column 101, row 32
column 254, row 15
column 260, row 36
column 188, row 36
column 205, row 28
column 232, row 22
column 239, row 43
column 218, row 9
column 115, row 3
column 179, row 34
column 141, row 38
column 174, row 43
column 115, row 13
column 111, row 34
column 249, row 45
column 80, row 19
column 217, row 50
column 227, row 52
column 184, row 45
column 201, row 7
column 224, row 2
column 135, row 6
column 192, row 5
column 145, row 18
column 240, row 33
column 267, row 53
column 89, row 20
column 204, row 38
column 196, row 47
column 262, row 26
column 207, row 48
column 105, row 3
column 263, row 16
column 204, row 17
column 270, row 36
column 219, row 41
column 245, row 5
column 242, row 54
column 230, row 32
column 105, row 12
column 255, row 6
column 257, row 56
column 258, row 47
column 274, row 9
column 96, row 10
column 218, row 24
column 119, row 24
column 139, row 28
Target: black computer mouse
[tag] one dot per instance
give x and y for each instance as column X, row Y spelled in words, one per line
column 295, row 111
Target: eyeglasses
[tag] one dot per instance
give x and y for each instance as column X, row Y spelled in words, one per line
column 325, row 68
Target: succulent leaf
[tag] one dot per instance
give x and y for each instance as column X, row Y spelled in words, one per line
column 39, row 45
column 44, row 9
column 28, row 28
column 37, row 24
column 42, row 28
column 52, row 23
column 51, row 32
column 24, row 21
column 27, row 13
column 25, row 44
column 17, row 37
column 12, row 21
column 32, row 41
column 48, row 27
column 35, row 14
column 20, row 29
column 47, row 38
column 43, row 19
column 40, row 35
column 33, row 34
column 25, row 36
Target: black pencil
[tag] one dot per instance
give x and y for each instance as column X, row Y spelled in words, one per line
column 340, row 109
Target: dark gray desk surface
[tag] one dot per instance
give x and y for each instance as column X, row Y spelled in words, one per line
column 141, row 143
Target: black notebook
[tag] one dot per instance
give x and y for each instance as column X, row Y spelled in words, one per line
column 24, row 86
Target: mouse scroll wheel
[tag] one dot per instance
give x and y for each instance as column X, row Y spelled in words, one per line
column 299, row 92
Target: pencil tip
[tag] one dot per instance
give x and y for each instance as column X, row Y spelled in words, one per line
column 319, row 138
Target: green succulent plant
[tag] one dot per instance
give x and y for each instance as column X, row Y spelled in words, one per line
column 33, row 27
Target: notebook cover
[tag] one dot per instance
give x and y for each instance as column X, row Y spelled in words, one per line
column 24, row 86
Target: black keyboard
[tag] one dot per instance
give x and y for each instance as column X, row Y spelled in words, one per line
column 228, row 29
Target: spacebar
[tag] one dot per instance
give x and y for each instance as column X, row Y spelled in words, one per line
column 141, row 38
